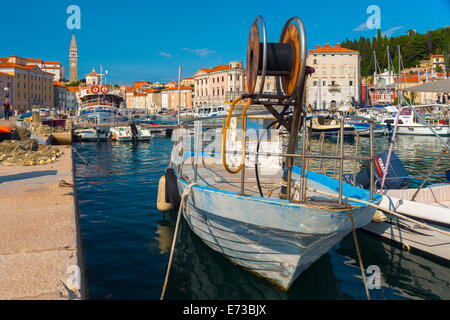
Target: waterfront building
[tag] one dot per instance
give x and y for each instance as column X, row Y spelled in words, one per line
column 139, row 100
column 438, row 62
column 188, row 82
column 53, row 67
column 93, row 78
column 141, row 85
column 60, row 96
column 171, row 84
column 335, row 84
column 73, row 99
column 31, row 85
column 169, row 98
column 219, row 84
column 6, row 88
column 153, row 99
column 73, row 58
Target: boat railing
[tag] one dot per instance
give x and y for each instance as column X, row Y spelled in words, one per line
column 304, row 154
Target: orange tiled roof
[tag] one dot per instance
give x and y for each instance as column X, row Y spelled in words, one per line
column 150, row 90
column 52, row 62
column 14, row 65
column 140, row 94
column 331, row 49
column 437, row 55
column 189, row 78
column 59, row 84
column 73, row 88
column 217, row 68
column 408, row 78
column 176, row 88
column 33, row 60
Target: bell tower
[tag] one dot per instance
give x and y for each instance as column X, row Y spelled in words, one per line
column 73, row 59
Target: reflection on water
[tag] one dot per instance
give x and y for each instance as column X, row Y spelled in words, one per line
column 127, row 240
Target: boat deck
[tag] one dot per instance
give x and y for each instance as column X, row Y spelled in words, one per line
column 214, row 175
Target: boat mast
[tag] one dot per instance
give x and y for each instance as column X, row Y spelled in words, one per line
column 179, row 93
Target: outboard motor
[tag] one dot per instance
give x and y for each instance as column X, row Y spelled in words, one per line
column 134, row 131
column 396, row 169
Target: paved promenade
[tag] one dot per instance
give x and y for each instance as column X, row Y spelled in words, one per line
column 40, row 250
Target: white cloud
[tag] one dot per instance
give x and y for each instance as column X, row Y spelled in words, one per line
column 389, row 32
column 165, row 54
column 361, row 27
column 205, row 52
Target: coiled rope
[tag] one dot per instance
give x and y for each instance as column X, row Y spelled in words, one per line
column 174, row 240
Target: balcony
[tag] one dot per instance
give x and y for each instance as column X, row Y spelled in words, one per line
column 334, row 87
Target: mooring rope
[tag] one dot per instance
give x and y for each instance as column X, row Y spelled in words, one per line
column 89, row 164
column 174, row 240
column 394, row 213
column 358, row 253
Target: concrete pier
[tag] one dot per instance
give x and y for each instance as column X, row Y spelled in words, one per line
column 40, row 240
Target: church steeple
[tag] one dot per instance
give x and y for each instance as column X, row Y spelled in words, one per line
column 73, row 58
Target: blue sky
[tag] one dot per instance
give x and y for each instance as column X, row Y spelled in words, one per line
column 147, row 40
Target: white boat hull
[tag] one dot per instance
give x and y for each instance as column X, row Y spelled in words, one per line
column 121, row 134
column 423, row 130
column 92, row 135
column 432, row 205
column 271, row 238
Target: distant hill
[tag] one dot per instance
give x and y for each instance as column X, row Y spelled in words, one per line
column 414, row 47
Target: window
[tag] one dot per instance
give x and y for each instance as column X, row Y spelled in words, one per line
column 351, row 83
column 223, row 79
column 213, row 80
column 315, row 83
column 315, row 61
column 324, row 83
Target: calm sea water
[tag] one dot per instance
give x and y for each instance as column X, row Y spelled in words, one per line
column 127, row 240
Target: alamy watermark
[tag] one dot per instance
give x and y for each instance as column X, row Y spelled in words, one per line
column 373, row 273
column 374, row 20
column 73, row 22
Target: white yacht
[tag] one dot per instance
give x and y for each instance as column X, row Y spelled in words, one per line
column 121, row 133
column 409, row 124
column 212, row 111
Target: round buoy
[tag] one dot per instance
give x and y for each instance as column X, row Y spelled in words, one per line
column 172, row 193
column 161, row 202
column 105, row 90
column 95, row 89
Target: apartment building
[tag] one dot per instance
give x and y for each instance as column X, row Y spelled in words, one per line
column 219, row 84
column 31, row 85
column 336, row 80
column 53, row 67
column 169, row 98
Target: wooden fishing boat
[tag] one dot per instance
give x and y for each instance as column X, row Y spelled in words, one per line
column 275, row 218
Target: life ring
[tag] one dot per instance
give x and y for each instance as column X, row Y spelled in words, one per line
column 105, row 89
column 95, row 89
column 172, row 193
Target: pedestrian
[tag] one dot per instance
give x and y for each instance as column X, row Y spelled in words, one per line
column 7, row 109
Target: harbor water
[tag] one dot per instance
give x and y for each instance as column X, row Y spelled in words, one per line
column 127, row 240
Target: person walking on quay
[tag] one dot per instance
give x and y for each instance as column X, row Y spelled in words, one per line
column 7, row 109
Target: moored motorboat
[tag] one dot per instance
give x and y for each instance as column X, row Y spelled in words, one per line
column 121, row 133
column 91, row 134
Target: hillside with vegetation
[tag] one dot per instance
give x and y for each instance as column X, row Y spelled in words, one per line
column 413, row 46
